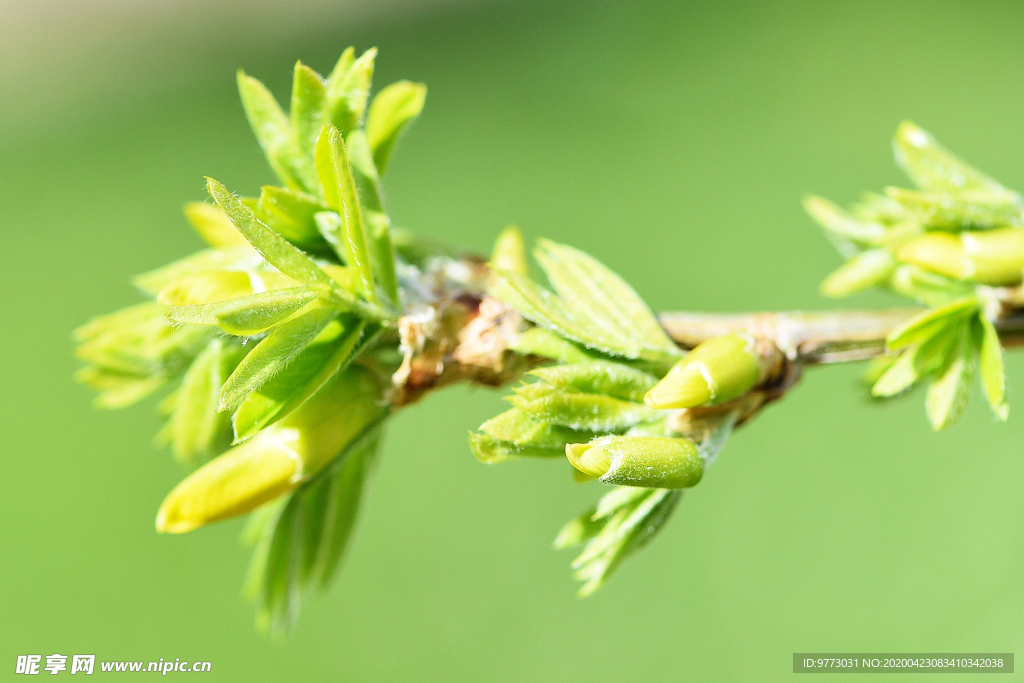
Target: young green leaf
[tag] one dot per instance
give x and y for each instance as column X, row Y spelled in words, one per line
column 272, row 355
column 246, row 315
column 309, row 106
column 933, row 167
column 275, row 134
column 625, row 528
column 509, row 253
column 375, row 218
column 948, row 395
column 197, row 431
column 593, row 412
column 542, row 307
column 846, row 232
column 917, row 362
column 583, row 281
column 962, row 211
column 348, row 88
column 393, row 109
column 290, row 213
column 303, row 377
column 931, row 321
column 863, row 271
column 242, row 259
column 538, row 341
column 213, row 225
column 600, row 377
column 993, row 379
column 349, row 240
column 278, row 251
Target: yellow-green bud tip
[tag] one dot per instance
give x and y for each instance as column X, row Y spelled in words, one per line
column 233, row 484
column 594, row 462
column 715, row 371
column 509, row 251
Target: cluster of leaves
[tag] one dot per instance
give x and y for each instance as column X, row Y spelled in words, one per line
column 945, row 344
column 948, row 244
column 300, row 538
column 606, row 351
column 297, row 284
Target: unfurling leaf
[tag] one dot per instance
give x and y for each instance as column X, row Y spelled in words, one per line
column 599, row 377
column 303, row 377
column 933, row 167
column 393, row 109
column 993, row 379
column 348, row 88
column 309, row 107
column 615, row 530
column 349, row 237
column 274, row 132
column 593, row 412
column 246, row 315
column 949, row 393
column 273, row 354
column 301, row 540
column 197, row 431
column 213, row 225
column 277, row 251
column 863, row 271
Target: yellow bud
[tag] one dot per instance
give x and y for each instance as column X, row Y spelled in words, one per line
column 593, row 462
column 993, row 257
column 715, row 371
column 278, row 459
column 509, row 252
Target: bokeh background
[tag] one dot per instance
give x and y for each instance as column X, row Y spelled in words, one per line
column 673, row 141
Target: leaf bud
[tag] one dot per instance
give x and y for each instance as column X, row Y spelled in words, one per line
column 993, row 257
column 715, row 371
column 649, row 461
column 277, row 459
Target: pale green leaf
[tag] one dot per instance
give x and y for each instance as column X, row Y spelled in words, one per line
column 348, row 88
column 213, row 226
column 863, row 271
column 246, row 315
column 933, row 167
column 948, row 395
column 392, row 110
column 349, row 239
column 290, row 213
column 582, row 280
column 274, row 132
column 242, row 259
column 931, row 322
column 993, row 378
column 303, row 377
column 309, row 106
column 846, row 232
column 197, row 431
column 272, row 355
column 277, row 251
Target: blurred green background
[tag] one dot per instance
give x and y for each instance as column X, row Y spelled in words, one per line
column 673, row 141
